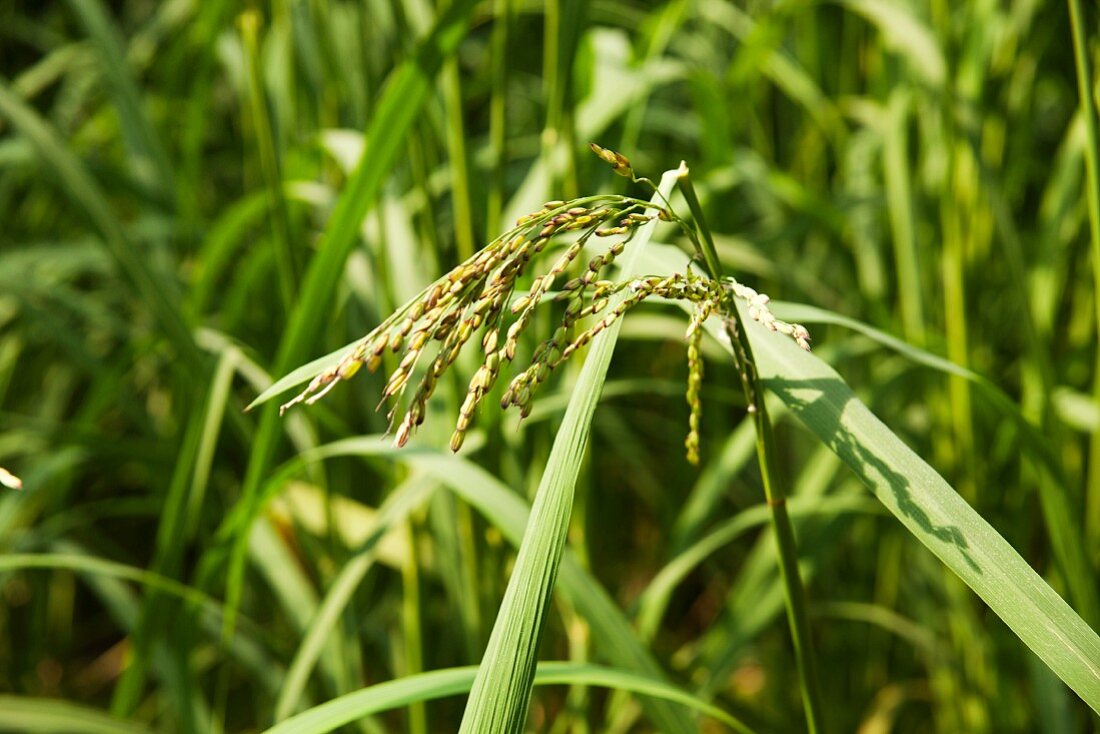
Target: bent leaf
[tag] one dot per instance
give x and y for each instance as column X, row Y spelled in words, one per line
column 932, row 511
column 24, row 713
column 924, row 502
column 452, row 681
column 1058, row 513
column 502, row 689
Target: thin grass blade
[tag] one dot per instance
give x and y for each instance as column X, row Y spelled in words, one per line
column 26, row 714
column 401, row 102
column 501, row 693
column 932, row 511
column 453, row 681
column 612, row 634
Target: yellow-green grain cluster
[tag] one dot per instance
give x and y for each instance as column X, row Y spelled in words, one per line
column 479, row 297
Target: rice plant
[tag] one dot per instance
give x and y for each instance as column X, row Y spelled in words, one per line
column 661, row 513
column 473, row 296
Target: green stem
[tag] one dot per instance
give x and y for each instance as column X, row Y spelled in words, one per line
column 413, row 634
column 551, row 32
column 471, row 601
column 498, row 121
column 456, row 149
column 286, row 264
column 899, row 201
column 1092, row 170
column 554, row 84
column 768, row 459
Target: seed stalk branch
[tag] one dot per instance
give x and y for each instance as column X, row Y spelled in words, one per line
column 768, row 460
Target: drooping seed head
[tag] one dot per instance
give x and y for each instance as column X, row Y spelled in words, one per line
column 347, row 369
column 492, row 361
column 396, row 382
column 403, row 432
column 619, row 163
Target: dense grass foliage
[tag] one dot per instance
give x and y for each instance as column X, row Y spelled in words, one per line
column 198, row 198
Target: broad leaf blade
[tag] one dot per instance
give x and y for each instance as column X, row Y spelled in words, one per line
column 502, row 689
column 26, row 714
column 932, row 511
column 926, row 504
column 612, row 635
column 1064, row 530
column 451, row 681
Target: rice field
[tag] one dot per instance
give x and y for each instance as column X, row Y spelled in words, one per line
column 566, row 367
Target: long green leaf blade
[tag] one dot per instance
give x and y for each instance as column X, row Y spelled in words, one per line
column 1065, row 534
column 402, row 99
column 928, row 507
column 612, row 634
column 502, row 690
column 449, row 682
column 26, row 714
column 932, row 511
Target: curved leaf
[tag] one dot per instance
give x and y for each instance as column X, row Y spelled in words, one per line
column 452, row 681
column 612, row 635
column 932, row 511
column 26, row 714
column 1065, row 533
column 502, row 690
column 920, row 498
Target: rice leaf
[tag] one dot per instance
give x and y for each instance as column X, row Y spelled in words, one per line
column 1065, row 533
column 920, row 498
column 452, row 681
column 401, row 101
column 932, row 511
column 502, row 690
column 502, row 508
column 26, row 714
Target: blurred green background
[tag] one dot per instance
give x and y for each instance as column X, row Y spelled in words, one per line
column 198, row 197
